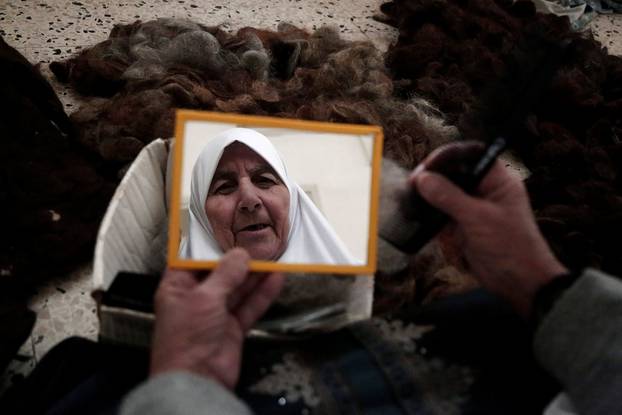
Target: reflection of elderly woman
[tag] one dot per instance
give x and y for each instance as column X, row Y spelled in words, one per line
column 241, row 196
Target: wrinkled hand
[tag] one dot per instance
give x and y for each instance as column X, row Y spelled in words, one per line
column 201, row 319
column 496, row 227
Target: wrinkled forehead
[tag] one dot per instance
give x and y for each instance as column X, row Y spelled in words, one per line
column 238, row 155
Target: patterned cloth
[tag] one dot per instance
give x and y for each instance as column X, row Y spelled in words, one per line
column 468, row 354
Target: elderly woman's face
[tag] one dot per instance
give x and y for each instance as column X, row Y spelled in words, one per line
column 247, row 204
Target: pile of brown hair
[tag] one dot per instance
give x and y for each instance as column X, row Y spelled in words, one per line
column 53, row 193
column 453, row 52
column 148, row 69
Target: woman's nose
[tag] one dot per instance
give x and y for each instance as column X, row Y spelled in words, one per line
column 249, row 199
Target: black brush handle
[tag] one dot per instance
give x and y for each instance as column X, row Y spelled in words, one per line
column 467, row 174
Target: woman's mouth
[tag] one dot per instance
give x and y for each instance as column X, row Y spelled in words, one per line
column 254, row 228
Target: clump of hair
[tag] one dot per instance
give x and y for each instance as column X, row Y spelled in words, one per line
column 168, row 63
column 53, row 193
column 451, row 52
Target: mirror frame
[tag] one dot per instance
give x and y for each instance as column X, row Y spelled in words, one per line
column 250, row 121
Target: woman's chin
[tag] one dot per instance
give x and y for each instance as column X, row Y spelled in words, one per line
column 261, row 252
column 260, row 245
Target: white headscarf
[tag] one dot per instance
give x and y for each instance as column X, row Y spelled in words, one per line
column 311, row 239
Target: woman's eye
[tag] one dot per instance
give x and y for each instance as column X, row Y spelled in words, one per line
column 224, row 188
column 265, row 181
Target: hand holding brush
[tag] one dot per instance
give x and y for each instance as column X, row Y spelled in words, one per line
column 493, row 222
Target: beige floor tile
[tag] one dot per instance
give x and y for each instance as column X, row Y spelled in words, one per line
column 19, row 367
column 64, row 308
column 607, row 29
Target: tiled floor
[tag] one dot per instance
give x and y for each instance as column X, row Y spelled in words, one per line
column 47, row 30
